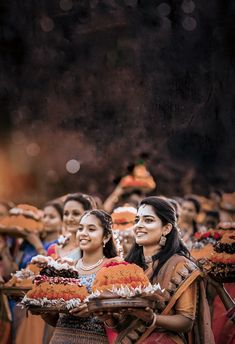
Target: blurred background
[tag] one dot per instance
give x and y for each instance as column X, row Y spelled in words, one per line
column 88, row 88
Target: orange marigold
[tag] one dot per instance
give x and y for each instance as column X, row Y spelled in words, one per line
column 120, row 274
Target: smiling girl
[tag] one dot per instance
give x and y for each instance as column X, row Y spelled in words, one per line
column 94, row 236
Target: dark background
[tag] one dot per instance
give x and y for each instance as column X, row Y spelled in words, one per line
column 110, row 82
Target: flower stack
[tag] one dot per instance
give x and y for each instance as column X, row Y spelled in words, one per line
column 223, row 258
column 203, row 244
column 57, row 286
column 139, row 179
column 25, row 218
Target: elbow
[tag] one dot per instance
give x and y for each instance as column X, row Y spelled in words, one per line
column 188, row 325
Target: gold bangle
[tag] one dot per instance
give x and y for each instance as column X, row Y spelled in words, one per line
column 154, row 321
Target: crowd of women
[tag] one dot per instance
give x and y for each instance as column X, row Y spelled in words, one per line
column 79, row 226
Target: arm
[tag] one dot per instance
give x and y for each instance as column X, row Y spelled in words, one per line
column 8, row 264
column 34, row 240
column 110, row 202
column 176, row 323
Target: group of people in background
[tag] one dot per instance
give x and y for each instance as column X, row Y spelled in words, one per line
column 79, row 226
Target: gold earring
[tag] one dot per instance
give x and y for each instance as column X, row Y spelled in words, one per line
column 162, row 241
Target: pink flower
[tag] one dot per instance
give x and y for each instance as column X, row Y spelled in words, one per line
column 107, row 265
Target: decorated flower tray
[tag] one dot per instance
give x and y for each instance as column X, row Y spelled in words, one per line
column 47, row 309
column 16, row 292
column 110, row 305
column 16, row 232
column 222, row 277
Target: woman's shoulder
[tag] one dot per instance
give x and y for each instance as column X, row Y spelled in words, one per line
column 116, row 259
column 181, row 264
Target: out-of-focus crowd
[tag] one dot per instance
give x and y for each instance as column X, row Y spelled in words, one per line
column 27, row 231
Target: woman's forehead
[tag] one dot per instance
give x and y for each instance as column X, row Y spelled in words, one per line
column 145, row 210
column 90, row 219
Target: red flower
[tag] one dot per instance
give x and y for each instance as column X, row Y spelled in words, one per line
column 206, row 235
column 217, row 236
column 197, row 235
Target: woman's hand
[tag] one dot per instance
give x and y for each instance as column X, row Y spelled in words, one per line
column 146, row 314
column 81, row 311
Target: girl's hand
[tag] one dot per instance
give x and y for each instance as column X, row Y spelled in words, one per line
column 81, row 311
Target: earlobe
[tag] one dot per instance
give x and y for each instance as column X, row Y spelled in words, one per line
column 168, row 228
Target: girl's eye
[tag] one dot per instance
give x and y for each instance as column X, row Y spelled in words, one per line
column 79, row 229
column 136, row 220
column 148, row 220
column 66, row 213
column 91, row 229
column 76, row 213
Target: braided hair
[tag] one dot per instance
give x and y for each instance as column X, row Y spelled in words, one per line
column 109, row 249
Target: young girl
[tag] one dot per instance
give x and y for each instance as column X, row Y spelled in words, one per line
column 96, row 243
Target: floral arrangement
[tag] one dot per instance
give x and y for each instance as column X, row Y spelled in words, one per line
column 118, row 274
column 24, row 277
column 57, row 289
column 25, row 217
column 58, row 285
column 214, row 235
column 140, row 179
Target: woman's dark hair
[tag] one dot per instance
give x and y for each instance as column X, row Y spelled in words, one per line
column 197, row 207
column 175, row 205
column 166, row 212
column 58, row 207
column 86, row 201
column 195, row 202
column 109, row 249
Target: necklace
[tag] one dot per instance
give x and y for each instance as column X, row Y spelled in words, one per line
column 148, row 259
column 91, row 267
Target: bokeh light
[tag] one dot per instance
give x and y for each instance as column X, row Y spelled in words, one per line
column 47, row 24
column 73, row 166
column 189, row 23
column 164, row 9
column 188, row 6
column 33, row 149
column 66, row 5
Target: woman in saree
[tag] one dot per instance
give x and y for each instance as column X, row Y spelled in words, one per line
column 94, row 236
column 183, row 314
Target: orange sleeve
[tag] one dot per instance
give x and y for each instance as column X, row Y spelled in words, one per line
column 187, row 302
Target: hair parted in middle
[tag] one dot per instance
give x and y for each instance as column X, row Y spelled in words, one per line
column 167, row 214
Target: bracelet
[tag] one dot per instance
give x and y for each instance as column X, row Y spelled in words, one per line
column 154, row 321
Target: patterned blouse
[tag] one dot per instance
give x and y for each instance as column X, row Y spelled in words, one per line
column 89, row 324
